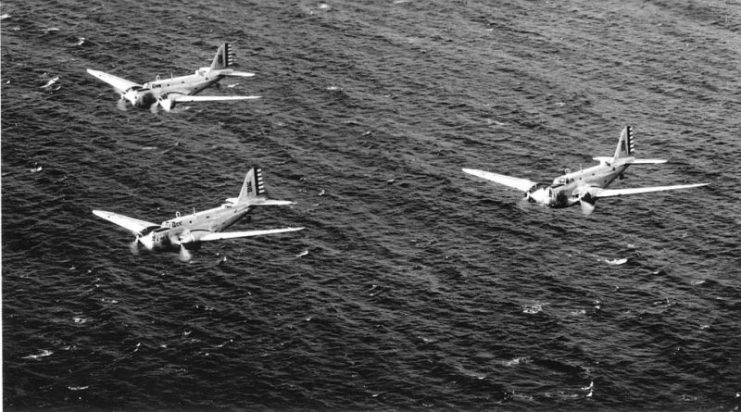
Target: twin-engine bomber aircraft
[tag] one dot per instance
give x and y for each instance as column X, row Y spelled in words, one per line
column 189, row 231
column 585, row 186
column 166, row 93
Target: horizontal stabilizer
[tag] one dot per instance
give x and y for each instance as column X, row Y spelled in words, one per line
column 249, row 233
column 235, row 73
column 522, row 185
column 630, row 161
column 646, row 161
column 603, row 159
column 599, row 193
column 182, row 98
column 121, row 85
column 134, row 226
column 269, row 202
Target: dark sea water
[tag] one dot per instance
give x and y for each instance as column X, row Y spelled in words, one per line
column 414, row 286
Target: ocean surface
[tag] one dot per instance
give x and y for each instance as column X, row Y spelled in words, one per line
column 414, row 286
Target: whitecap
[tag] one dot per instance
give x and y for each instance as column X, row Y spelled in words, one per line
column 518, row 360
column 578, row 312
column 78, row 388
column 533, row 309
column 302, row 254
column 43, row 353
column 50, row 82
column 616, row 262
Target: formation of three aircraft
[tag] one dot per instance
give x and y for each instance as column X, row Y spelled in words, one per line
column 182, row 233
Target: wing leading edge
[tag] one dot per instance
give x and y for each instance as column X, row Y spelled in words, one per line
column 248, row 233
column 121, row 85
column 522, row 185
column 183, row 98
column 134, row 226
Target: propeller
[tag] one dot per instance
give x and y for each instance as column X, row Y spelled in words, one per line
column 586, row 201
column 121, row 104
column 134, row 246
column 184, row 254
column 183, row 239
column 586, row 207
column 166, row 103
column 147, row 240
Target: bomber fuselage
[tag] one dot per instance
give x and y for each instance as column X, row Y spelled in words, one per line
column 566, row 190
column 187, row 229
column 148, row 94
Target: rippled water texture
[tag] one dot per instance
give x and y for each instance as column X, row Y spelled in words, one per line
column 414, row 285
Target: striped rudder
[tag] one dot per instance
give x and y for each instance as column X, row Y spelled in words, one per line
column 626, row 145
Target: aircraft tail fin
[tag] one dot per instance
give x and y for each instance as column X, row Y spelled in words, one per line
column 625, row 146
column 253, row 191
column 224, row 57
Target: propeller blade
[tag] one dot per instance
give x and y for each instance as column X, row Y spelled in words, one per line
column 586, row 207
column 166, row 104
column 121, row 104
column 134, row 246
column 184, row 254
column 155, row 107
column 147, row 241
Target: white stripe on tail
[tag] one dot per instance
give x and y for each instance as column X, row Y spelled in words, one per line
column 625, row 146
column 253, row 191
column 224, row 57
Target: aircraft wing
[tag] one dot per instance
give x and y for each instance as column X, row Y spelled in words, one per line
column 231, row 235
column 180, row 98
column 134, row 226
column 118, row 83
column 623, row 192
column 522, row 185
